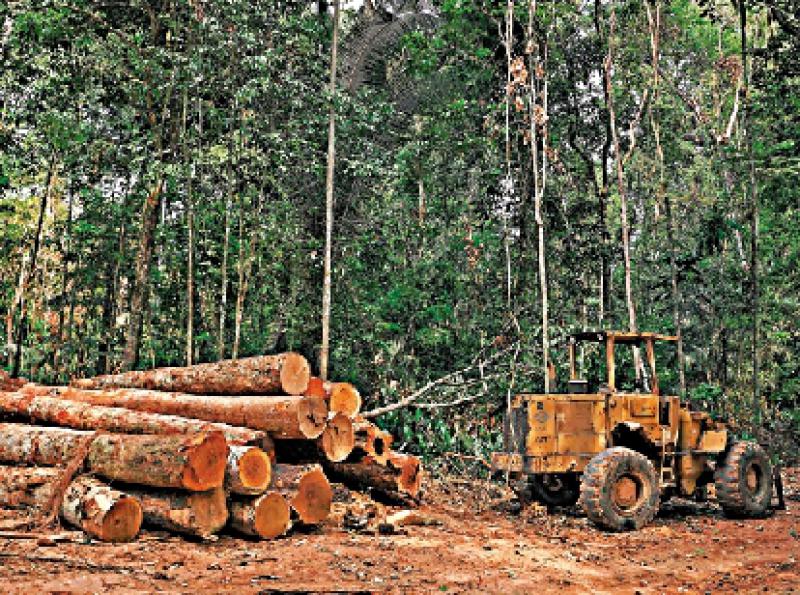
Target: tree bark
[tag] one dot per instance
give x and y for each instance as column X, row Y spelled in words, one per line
column 141, row 286
column 192, row 462
column 402, row 474
column 200, row 514
column 281, row 416
column 286, row 373
column 102, row 512
column 85, row 416
column 306, row 489
column 249, row 471
column 329, row 175
column 342, row 397
column 22, row 327
column 267, row 516
column 370, row 441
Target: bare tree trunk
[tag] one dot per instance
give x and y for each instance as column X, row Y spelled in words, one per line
column 190, row 246
column 623, row 201
column 326, row 280
column 22, row 328
column 654, row 23
column 605, row 266
column 538, row 116
column 754, row 218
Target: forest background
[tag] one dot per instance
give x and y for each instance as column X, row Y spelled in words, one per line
column 505, row 173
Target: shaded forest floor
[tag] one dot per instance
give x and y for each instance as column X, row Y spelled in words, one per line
column 476, row 543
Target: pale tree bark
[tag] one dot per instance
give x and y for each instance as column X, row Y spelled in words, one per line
column 190, row 239
column 538, row 117
column 223, row 298
column 654, row 25
column 326, row 280
column 623, row 201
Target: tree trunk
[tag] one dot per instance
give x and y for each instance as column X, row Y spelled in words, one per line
column 249, row 471
column 84, row 416
column 192, row 462
column 623, row 201
column 141, row 286
column 342, row 397
column 287, row 373
column 200, row 514
column 281, row 416
column 402, row 474
column 267, row 516
column 335, row 444
column 370, row 441
column 306, row 489
column 331, row 166
column 102, row 512
column 22, row 327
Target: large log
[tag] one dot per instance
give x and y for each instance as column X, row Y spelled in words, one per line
column 192, row 462
column 200, row 514
column 266, row 516
column 370, row 441
column 342, row 397
column 10, row 384
column 104, row 513
column 249, row 470
column 281, row 416
column 283, row 374
column 85, row 416
column 306, row 489
column 402, row 474
column 335, row 444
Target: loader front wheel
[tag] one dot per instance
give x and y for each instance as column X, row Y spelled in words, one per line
column 619, row 490
column 555, row 489
column 743, row 480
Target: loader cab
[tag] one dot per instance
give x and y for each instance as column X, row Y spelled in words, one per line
column 614, row 370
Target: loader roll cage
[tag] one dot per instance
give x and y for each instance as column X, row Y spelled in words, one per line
column 611, row 339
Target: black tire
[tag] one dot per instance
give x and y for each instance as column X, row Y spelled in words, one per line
column 743, row 479
column 619, row 490
column 555, row 489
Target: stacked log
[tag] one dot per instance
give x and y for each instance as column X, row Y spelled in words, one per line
column 104, row 513
column 85, row 416
column 341, row 397
column 283, row 374
column 194, row 462
column 242, row 444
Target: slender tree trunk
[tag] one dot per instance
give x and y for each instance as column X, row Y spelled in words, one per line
column 623, row 200
column 22, row 328
column 538, row 116
column 326, row 280
column 605, row 265
column 62, row 303
column 190, row 239
column 754, row 217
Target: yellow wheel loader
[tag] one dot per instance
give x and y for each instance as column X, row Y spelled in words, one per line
column 620, row 452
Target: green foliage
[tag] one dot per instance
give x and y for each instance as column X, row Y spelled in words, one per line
column 227, row 103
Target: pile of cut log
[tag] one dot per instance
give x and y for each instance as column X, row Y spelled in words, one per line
column 246, row 444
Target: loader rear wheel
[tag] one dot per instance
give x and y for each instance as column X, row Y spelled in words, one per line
column 619, row 490
column 743, row 480
column 555, row 489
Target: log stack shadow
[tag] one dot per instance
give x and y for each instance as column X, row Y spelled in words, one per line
column 246, row 445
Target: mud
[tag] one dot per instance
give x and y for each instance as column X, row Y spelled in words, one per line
column 477, row 540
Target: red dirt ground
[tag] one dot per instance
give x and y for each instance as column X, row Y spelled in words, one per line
column 479, row 546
